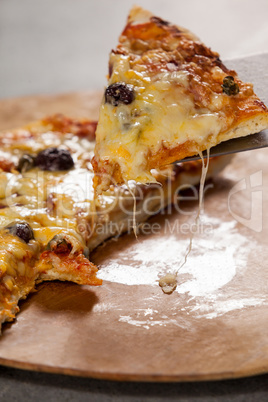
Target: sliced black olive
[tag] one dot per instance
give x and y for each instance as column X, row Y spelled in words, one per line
column 26, row 162
column 59, row 245
column 21, row 229
column 54, row 159
column 119, row 93
column 159, row 21
column 230, row 87
column 110, row 69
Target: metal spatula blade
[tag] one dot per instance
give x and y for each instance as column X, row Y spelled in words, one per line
column 248, row 143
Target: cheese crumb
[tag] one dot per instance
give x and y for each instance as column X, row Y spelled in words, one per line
column 168, row 283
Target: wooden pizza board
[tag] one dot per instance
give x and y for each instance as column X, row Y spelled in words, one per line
column 214, row 326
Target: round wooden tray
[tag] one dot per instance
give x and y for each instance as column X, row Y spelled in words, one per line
column 213, row 326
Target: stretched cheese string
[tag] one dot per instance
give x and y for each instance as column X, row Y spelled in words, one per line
column 168, row 282
column 134, row 210
column 200, row 204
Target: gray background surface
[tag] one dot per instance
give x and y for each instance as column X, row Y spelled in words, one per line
column 49, row 46
column 52, row 46
column 17, row 385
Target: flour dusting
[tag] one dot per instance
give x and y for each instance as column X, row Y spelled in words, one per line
column 217, row 259
column 213, row 262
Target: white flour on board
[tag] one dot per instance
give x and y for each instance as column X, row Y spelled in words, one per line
column 212, row 264
column 217, row 257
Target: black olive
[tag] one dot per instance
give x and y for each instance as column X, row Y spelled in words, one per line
column 59, row 245
column 230, row 87
column 54, row 159
column 159, row 21
column 26, row 162
column 119, row 93
column 21, row 229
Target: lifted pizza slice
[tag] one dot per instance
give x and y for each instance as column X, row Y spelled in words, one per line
column 168, row 97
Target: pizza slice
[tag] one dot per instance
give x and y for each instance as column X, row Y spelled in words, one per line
column 168, row 97
column 38, row 238
column 49, row 218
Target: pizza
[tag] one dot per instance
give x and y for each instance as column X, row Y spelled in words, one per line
column 38, row 238
column 49, row 218
column 168, row 97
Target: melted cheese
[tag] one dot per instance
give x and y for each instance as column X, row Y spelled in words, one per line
column 162, row 113
column 52, row 203
column 200, row 205
column 47, row 199
column 168, row 283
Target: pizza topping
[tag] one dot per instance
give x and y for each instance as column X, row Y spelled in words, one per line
column 66, row 244
column 119, row 93
column 63, row 124
column 26, row 162
column 159, row 21
column 8, row 282
column 230, row 87
column 59, row 245
column 54, row 159
column 21, row 229
column 6, row 165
